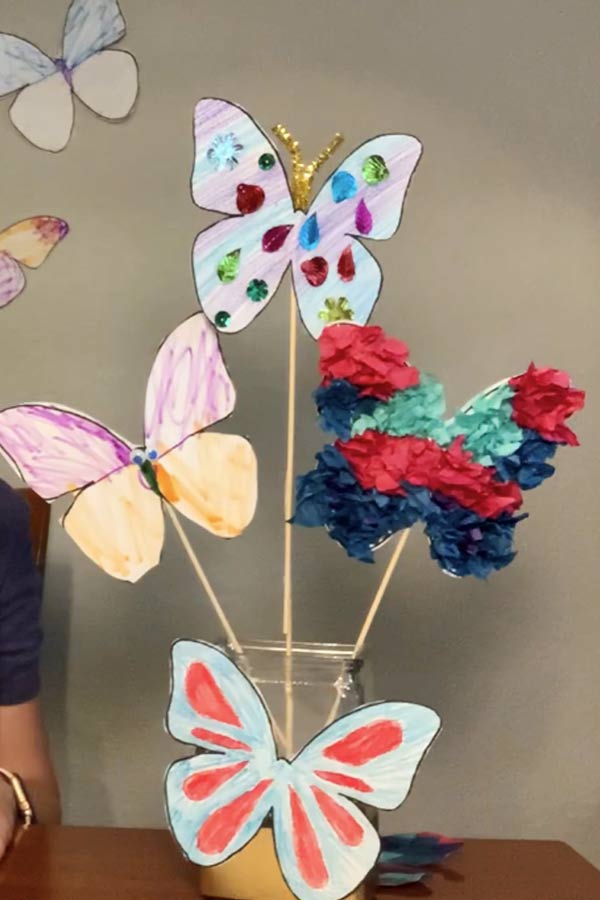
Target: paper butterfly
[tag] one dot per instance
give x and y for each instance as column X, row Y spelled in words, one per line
column 238, row 263
column 218, row 800
column 116, row 517
column 104, row 80
column 398, row 461
column 27, row 243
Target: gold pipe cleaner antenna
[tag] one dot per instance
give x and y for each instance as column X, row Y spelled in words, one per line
column 303, row 173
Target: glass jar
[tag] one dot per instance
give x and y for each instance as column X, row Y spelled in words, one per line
column 303, row 691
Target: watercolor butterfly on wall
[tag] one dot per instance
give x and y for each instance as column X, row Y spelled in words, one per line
column 26, row 243
column 116, row 517
column 239, row 262
column 218, row 799
column 105, row 80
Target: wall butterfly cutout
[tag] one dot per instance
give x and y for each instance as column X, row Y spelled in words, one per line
column 26, row 243
column 116, row 517
column 104, row 80
column 239, row 262
column 218, row 799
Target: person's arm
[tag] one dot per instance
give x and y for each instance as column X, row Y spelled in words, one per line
column 23, row 744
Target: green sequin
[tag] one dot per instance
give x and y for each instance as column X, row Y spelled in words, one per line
column 266, row 161
column 222, row 319
column 229, row 266
column 336, row 310
column 374, row 169
column 257, row 290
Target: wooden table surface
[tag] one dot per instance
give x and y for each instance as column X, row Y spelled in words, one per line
column 60, row 863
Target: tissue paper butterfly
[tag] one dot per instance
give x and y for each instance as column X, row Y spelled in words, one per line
column 116, row 517
column 104, row 80
column 26, row 243
column 398, row 460
column 218, row 800
column 239, row 262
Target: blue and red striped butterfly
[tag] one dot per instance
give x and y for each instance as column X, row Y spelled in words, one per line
column 218, row 800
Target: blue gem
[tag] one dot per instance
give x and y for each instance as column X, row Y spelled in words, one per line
column 310, row 235
column 152, row 454
column 343, row 186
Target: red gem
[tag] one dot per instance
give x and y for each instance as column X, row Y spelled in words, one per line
column 250, row 197
column 274, row 238
column 346, row 268
column 315, row 270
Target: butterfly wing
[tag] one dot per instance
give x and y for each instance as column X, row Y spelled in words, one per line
column 43, row 113
column 91, row 26
column 217, row 801
column 21, row 64
column 238, row 264
column 12, row 279
column 210, row 478
column 114, row 520
column 30, row 241
column 119, row 524
column 335, row 277
column 325, row 844
column 108, row 83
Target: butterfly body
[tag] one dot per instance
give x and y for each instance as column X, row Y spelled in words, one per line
column 239, row 262
column 104, row 80
column 116, row 516
column 218, row 800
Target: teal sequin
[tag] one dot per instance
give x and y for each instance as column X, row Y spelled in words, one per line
column 266, row 161
column 222, row 319
column 257, row 290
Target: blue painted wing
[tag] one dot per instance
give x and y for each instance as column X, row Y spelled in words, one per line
column 217, row 801
column 91, row 26
column 21, row 64
column 325, row 844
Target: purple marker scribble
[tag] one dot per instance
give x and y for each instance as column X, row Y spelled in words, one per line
column 65, row 71
column 12, row 280
column 58, row 451
column 189, row 387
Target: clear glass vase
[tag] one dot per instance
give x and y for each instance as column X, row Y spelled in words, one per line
column 304, row 690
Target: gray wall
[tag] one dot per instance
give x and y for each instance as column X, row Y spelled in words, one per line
column 496, row 263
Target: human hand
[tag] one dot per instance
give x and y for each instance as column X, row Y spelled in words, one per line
column 8, row 815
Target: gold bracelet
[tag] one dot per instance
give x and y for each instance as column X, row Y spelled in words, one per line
column 22, row 800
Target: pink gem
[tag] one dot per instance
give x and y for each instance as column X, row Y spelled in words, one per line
column 363, row 218
column 274, row 238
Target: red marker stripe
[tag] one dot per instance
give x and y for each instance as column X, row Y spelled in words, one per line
column 366, row 743
column 306, row 846
column 201, row 785
column 221, row 827
column 206, row 697
column 220, row 740
column 348, row 830
column 347, row 781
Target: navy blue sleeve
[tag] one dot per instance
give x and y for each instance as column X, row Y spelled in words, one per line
column 20, row 603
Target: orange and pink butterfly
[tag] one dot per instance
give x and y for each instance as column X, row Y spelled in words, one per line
column 119, row 487
column 26, row 243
